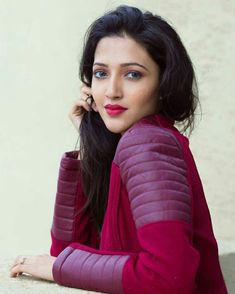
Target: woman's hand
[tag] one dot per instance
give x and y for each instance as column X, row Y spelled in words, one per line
column 81, row 105
column 39, row 266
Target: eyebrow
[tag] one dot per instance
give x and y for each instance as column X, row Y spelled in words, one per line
column 122, row 64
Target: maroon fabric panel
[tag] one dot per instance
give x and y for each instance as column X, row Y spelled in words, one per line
column 66, row 198
column 155, row 174
column 67, row 225
column 90, row 270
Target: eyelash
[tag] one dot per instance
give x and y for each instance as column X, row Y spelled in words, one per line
column 135, row 72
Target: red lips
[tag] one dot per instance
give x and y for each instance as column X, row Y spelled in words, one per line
column 114, row 107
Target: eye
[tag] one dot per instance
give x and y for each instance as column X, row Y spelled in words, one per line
column 99, row 74
column 135, row 75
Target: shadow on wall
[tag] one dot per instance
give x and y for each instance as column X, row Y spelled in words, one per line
column 227, row 262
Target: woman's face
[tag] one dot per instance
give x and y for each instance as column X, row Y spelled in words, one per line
column 124, row 74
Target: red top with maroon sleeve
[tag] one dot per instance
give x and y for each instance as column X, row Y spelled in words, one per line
column 157, row 235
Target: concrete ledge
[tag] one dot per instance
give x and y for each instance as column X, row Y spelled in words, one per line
column 227, row 262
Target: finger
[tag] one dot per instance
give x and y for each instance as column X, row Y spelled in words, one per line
column 16, row 270
column 77, row 111
column 83, row 86
column 17, row 260
column 94, row 107
column 78, row 106
column 83, row 102
column 86, row 104
column 23, row 266
column 89, row 99
column 21, row 260
column 85, row 89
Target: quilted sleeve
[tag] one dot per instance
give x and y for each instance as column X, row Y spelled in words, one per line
column 155, row 174
column 67, row 226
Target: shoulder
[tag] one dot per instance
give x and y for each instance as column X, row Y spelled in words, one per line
column 153, row 169
column 144, row 139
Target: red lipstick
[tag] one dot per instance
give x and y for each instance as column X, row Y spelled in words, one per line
column 114, row 109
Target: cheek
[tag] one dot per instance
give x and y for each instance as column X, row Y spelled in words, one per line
column 97, row 93
column 146, row 98
column 146, row 91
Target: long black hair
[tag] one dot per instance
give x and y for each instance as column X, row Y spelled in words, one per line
column 177, row 89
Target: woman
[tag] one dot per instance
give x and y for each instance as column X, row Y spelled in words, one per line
column 130, row 213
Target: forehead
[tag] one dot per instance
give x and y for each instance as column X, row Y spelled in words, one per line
column 120, row 49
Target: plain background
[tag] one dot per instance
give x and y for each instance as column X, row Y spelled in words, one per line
column 40, row 46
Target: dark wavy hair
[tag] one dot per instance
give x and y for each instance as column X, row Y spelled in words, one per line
column 177, row 89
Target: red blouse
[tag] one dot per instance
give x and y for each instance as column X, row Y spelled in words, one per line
column 157, row 235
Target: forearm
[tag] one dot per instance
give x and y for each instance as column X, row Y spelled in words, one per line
column 166, row 263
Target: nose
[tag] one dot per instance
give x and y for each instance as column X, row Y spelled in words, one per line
column 113, row 88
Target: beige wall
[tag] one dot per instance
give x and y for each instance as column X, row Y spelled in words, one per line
column 40, row 42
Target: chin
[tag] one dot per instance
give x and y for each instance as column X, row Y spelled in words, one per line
column 118, row 126
column 116, row 129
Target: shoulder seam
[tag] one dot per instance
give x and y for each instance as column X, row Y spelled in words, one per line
column 156, row 128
